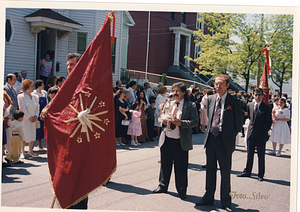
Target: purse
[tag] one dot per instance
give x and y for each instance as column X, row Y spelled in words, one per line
column 125, row 122
column 38, row 125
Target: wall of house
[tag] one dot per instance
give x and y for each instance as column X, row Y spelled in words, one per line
column 161, row 48
column 20, row 53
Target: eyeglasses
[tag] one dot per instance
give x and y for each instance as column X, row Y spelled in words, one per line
column 175, row 91
column 219, row 84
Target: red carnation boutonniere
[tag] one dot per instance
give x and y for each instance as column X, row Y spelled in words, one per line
column 185, row 107
column 228, row 108
column 281, row 112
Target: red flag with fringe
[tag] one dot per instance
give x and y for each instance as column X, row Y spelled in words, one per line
column 79, row 128
column 264, row 78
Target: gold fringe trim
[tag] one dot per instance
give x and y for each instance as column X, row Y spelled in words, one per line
column 86, row 195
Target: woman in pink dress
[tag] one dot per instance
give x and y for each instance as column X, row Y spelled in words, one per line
column 134, row 128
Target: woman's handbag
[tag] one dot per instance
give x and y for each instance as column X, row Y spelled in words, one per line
column 125, row 122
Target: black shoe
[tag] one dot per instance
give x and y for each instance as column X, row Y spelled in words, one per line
column 204, row 166
column 226, row 208
column 260, row 179
column 8, row 161
column 182, row 196
column 204, row 202
column 243, row 174
column 19, row 162
column 147, row 139
column 159, row 190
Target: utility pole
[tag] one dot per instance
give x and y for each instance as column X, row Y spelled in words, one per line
column 258, row 62
column 148, row 40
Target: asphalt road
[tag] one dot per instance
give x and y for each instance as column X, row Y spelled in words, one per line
column 26, row 187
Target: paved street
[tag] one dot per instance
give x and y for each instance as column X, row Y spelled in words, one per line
column 130, row 189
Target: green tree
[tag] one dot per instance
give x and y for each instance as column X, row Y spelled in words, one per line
column 217, row 55
column 249, row 50
column 281, row 52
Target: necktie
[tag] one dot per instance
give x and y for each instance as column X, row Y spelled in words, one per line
column 13, row 91
column 173, row 126
column 216, row 120
column 255, row 110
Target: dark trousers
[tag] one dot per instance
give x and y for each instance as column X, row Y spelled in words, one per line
column 83, row 204
column 44, row 79
column 216, row 152
column 171, row 151
column 150, row 127
column 261, row 148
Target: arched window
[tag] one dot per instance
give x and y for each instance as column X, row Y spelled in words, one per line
column 9, row 30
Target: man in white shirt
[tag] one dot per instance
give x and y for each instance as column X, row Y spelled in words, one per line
column 176, row 142
column 17, row 85
column 132, row 87
column 148, row 91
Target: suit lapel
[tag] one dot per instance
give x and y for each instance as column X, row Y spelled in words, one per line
column 184, row 109
column 212, row 108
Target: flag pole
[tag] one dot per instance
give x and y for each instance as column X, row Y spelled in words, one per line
column 53, row 201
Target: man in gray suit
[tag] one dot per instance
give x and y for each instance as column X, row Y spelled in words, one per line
column 176, row 142
column 224, row 122
column 9, row 88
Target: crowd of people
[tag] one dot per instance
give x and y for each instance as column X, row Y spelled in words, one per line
column 137, row 120
column 24, row 100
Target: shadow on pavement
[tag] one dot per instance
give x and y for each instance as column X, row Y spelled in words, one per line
column 127, row 188
column 196, row 167
column 11, row 171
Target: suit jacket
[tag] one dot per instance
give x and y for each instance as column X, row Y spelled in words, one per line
column 258, row 128
column 189, row 119
column 13, row 98
column 232, row 120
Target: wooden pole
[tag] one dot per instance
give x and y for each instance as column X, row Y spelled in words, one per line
column 54, row 198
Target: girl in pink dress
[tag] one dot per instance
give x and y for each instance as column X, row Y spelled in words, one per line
column 135, row 128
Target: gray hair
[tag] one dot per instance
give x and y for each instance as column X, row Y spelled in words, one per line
column 126, row 92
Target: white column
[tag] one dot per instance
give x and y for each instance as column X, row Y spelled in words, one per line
column 187, row 50
column 176, row 49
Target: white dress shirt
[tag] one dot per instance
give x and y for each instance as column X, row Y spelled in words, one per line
column 176, row 132
column 222, row 108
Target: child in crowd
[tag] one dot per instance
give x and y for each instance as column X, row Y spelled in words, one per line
column 134, row 128
column 17, row 137
column 150, row 121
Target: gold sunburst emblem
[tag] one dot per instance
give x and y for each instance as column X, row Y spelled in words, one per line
column 86, row 119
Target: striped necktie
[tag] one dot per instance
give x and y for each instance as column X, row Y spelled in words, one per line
column 216, row 121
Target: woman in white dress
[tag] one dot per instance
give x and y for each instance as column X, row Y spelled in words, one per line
column 29, row 104
column 280, row 132
column 161, row 99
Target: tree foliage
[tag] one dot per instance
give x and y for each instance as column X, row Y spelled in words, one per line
column 281, row 52
column 220, row 53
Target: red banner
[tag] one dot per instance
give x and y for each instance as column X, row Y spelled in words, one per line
column 264, row 78
column 79, row 129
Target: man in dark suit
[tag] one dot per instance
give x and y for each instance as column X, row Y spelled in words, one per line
column 176, row 142
column 260, row 124
column 10, row 90
column 224, row 122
